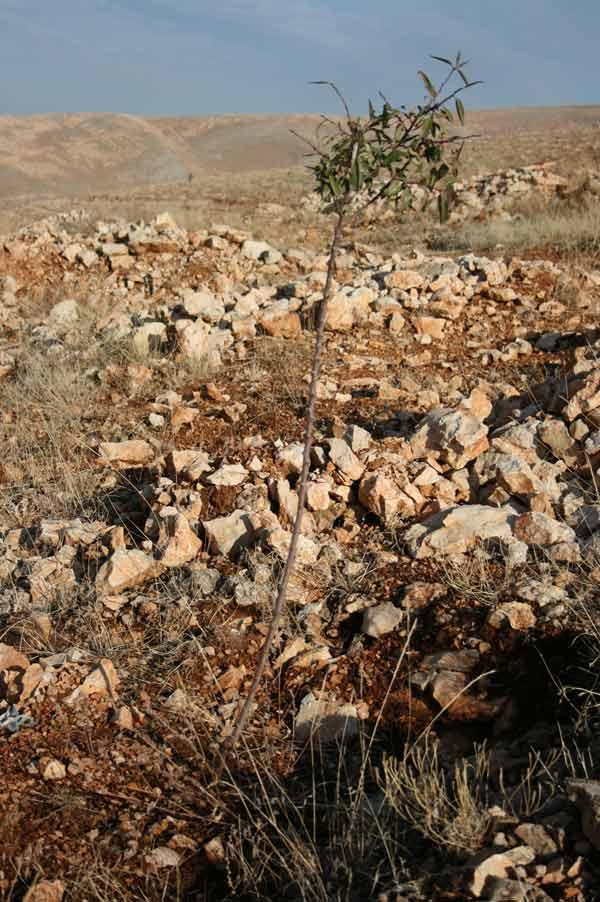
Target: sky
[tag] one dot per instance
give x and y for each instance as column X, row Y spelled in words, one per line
column 193, row 57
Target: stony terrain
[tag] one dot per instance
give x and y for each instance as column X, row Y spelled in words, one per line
column 202, row 167
column 428, row 726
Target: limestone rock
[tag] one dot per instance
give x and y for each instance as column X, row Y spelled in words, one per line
column 230, row 534
column 150, row 337
column 403, row 279
column 518, row 614
column 227, row 475
column 259, row 250
column 345, row 460
column 317, row 495
column 454, row 437
column 52, row 769
column 132, row 453
column 178, row 543
column 203, row 304
column 45, row 891
column 125, row 570
column 586, row 399
column 459, row 528
column 419, row 595
column 497, row 864
column 280, row 322
column 188, row 465
column 501, row 889
column 12, row 659
column 358, row 438
column 65, row 313
column 289, row 459
column 325, row 720
column 340, row 314
column 279, row 541
column 381, row 619
column 586, row 795
column 555, row 435
column 540, row 529
column 193, row 338
column 163, row 857
column 103, row 680
column 536, row 836
column 381, row 496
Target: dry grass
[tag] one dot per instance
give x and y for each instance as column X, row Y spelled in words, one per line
column 477, row 577
column 45, row 460
column 568, row 230
column 280, row 368
column 332, row 840
column 448, row 807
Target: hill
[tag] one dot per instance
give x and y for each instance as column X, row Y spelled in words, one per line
column 74, row 154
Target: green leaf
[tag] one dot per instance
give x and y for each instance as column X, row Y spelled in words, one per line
column 394, row 157
column 428, row 84
column 427, row 126
column 443, row 206
column 442, row 171
column 355, row 171
column 334, row 185
column 442, row 59
column 460, row 110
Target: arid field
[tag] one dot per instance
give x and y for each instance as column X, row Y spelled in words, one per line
column 428, row 727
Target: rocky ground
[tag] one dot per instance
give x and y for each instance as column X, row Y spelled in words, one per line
column 428, row 726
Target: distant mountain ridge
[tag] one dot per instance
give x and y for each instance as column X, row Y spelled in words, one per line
column 74, row 154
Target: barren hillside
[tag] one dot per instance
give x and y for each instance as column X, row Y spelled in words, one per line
column 82, row 153
column 428, row 727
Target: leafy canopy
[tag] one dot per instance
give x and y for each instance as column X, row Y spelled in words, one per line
column 382, row 154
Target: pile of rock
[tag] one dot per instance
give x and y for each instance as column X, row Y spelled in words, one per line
column 487, row 195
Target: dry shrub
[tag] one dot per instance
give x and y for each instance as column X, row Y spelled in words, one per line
column 282, row 367
column 477, row 576
column 324, row 839
column 46, row 464
column 566, row 228
column 447, row 806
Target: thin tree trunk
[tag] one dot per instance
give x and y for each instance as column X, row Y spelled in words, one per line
column 302, row 489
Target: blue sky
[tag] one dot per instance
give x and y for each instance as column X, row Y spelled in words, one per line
column 160, row 57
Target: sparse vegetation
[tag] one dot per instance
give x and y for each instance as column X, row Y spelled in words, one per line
column 433, row 687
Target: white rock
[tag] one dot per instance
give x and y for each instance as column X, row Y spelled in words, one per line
column 228, row 535
column 65, row 313
column 382, row 497
column 454, row 437
column 258, row 250
column 345, row 460
column 227, row 475
column 279, row 541
column 125, row 570
column 178, row 543
column 163, row 857
column 540, row 529
column 149, row 337
column 498, row 864
column 131, row 453
column 204, row 305
column 52, row 769
column 358, row 438
column 382, row 619
column 459, row 528
column 325, row 720
column 289, row 459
